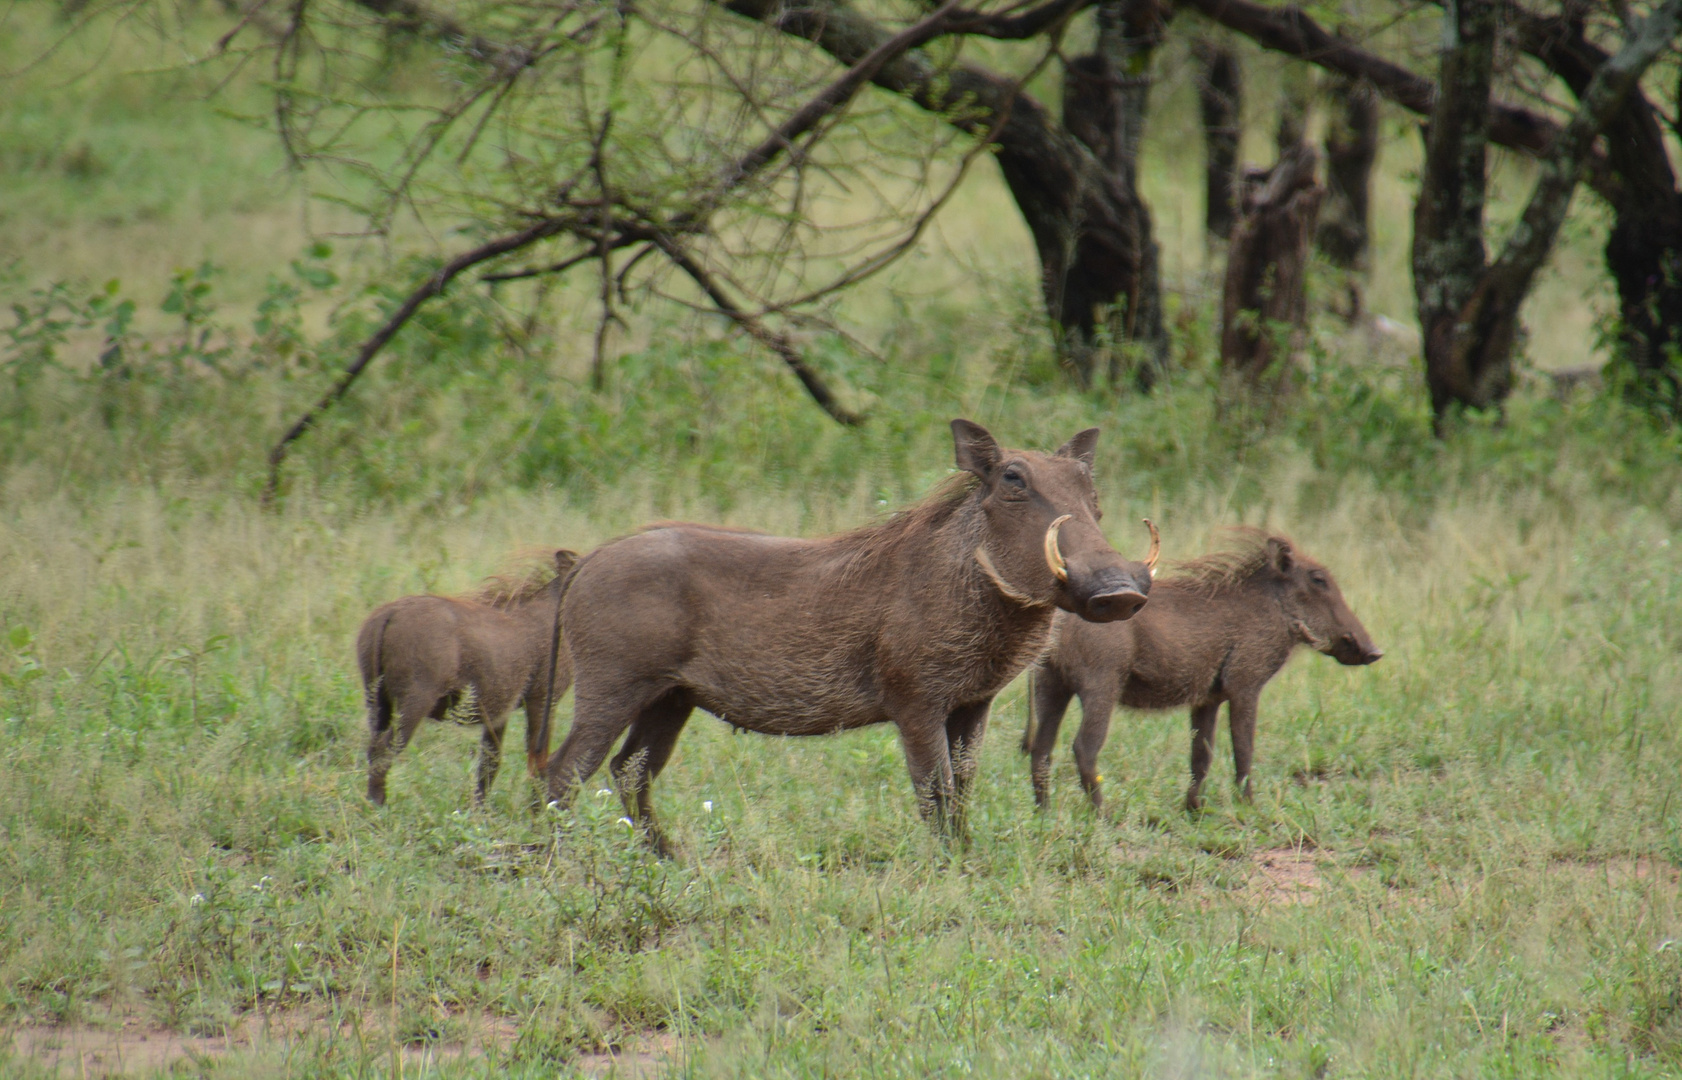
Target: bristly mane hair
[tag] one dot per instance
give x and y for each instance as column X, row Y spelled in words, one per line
column 529, row 573
column 919, row 519
column 1226, row 569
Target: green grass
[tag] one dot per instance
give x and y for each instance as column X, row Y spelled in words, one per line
column 1493, row 810
column 1485, row 829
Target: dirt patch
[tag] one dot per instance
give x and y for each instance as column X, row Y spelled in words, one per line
column 123, row 1048
column 1291, row 876
column 1285, row 876
column 80, row 1050
column 635, row 1059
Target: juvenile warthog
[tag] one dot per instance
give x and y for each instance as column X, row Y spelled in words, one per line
column 423, row 656
column 917, row 621
column 1217, row 631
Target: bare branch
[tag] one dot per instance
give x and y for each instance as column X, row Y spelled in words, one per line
column 556, row 268
column 771, row 339
column 1030, row 23
column 1292, row 31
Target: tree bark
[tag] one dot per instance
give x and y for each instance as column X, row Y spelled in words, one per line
column 1220, row 99
column 1644, row 248
column 1449, row 258
column 1469, row 311
column 1264, row 304
column 1106, row 99
column 1351, row 149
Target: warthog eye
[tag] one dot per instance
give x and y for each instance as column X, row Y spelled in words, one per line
column 1320, row 580
column 1013, row 476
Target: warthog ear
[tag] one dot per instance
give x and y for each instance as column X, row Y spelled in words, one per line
column 977, row 452
column 564, row 561
column 1279, row 554
column 1082, row 447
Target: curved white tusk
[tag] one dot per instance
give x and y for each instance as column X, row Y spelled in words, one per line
column 1054, row 557
column 1156, row 547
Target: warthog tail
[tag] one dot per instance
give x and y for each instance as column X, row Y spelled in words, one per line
column 537, row 748
column 376, row 697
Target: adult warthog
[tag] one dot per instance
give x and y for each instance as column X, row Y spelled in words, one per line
column 917, row 621
column 424, row 656
column 1217, row 631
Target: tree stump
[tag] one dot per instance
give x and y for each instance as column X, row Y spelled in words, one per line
column 1264, row 304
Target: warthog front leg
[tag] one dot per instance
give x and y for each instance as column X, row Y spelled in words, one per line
column 1050, row 697
column 928, row 757
column 1241, row 714
column 1203, row 721
column 965, row 728
column 1095, row 709
column 648, row 746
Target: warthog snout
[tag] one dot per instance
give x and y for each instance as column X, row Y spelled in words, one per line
column 1106, row 588
column 1353, row 651
column 1120, row 595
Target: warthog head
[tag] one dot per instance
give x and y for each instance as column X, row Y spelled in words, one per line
column 1042, row 543
column 1316, row 608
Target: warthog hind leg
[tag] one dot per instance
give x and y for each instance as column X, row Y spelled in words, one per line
column 388, row 741
column 1241, row 715
column 599, row 717
column 490, row 758
column 1203, row 721
column 1051, row 697
column 648, row 746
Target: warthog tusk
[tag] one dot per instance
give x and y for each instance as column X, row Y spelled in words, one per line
column 1054, row 557
column 1156, row 547
column 1309, row 637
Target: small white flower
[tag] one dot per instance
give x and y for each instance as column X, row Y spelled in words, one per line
column 195, row 900
column 604, row 793
column 625, row 821
column 707, row 805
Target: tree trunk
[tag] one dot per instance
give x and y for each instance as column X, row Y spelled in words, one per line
column 1469, row 312
column 1644, row 248
column 1264, row 304
column 1106, row 95
column 1351, row 148
column 1464, row 364
column 1220, row 98
column 1090, row 231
